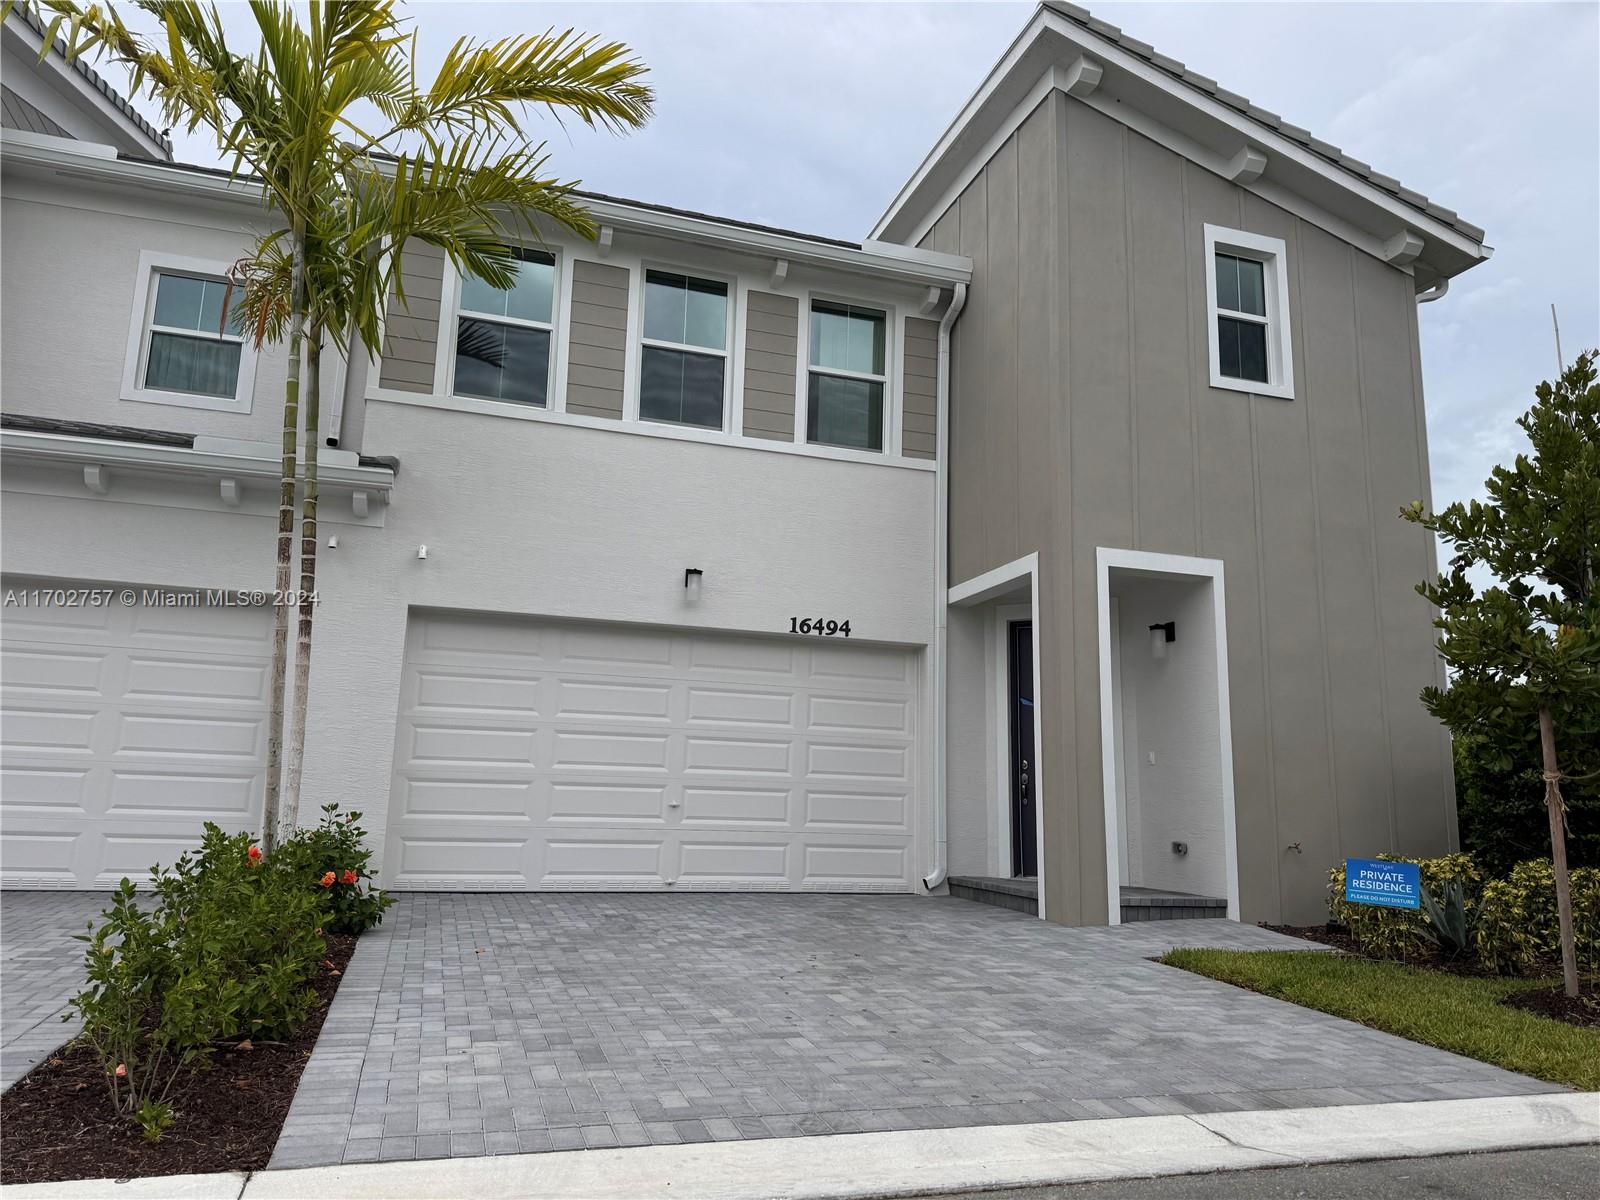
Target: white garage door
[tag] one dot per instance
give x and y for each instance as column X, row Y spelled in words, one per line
column 563, row 756
column 122, row 729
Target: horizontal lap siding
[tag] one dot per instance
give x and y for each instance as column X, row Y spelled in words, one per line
column 411, row 333
column 771, row 358
column 920, row 427
column 597, row 349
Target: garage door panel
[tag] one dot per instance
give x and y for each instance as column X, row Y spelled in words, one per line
column 51, row 670
column 124, row 728
column 650, row 759
column 888, row 811
column 735, row 806
column 611, row 700
column 740, row 706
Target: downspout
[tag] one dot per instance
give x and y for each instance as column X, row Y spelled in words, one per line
column 1436, row 292
column 941, row 593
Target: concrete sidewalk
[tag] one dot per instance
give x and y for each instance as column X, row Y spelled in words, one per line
column 920, row 1162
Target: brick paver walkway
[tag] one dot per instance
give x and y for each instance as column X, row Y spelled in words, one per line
column 41, row 968
column 473, row 1024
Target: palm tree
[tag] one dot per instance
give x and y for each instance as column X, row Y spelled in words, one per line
column 447, row 164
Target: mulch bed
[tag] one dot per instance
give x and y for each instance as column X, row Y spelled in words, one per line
column 1423, row 955
column 1553, row 1002
column 58, row 1121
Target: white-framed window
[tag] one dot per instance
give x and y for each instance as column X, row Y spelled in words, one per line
column 1247, row 302
column 186, row 346
column 503, row 335
column 684, row 344
column 847, row 375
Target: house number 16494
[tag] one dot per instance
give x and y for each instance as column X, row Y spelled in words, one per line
column 819, row 626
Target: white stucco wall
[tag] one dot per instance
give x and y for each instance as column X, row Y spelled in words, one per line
column 1170, row 711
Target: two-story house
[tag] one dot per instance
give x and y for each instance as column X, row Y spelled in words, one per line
column 1039, row 547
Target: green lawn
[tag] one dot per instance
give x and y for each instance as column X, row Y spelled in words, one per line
column 1453, row 1012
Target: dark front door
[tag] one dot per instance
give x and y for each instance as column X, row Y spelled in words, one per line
column 1024, row 821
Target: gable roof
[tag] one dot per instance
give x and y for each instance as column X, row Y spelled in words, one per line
column 116, row 112
column 1159, row 96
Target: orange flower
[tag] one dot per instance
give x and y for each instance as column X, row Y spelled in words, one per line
column 122, row 1070
column 327, row 880
column 255, row 853
column 348, row 877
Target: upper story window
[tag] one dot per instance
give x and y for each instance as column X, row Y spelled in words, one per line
column 684, row 357
column 847, row 376
column 503, row 334
column 1247, row 293
column 186, row 345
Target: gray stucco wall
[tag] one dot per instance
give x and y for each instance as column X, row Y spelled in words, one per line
column 770, row 360
column 1082, row 417
column 411, row 334
column 597, row 343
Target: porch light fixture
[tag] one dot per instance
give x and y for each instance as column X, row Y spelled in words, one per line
column 691, row 583
column 1160, row 635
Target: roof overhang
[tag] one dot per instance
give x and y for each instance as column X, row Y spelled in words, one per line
column 1130, row 82
column 78, row 84
column 877, row 260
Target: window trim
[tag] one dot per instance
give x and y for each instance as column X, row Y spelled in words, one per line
column 633, row 396
column 445, row 368
column 891, row 406
column 1272, row 253
column 141, row 324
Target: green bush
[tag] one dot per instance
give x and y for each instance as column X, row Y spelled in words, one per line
column 1518, row 932
column 1402, row 932
column 1500, row 803
column 331, row 861
column 226, row 948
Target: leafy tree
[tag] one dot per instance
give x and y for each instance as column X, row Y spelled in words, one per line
column 355, row 157
column 1524, row 653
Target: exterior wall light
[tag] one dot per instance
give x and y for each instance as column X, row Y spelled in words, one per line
column 1160, row 635
column 691, row 584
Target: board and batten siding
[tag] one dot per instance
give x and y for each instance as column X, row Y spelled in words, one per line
column 1082, row 416
column 597, row 340
column 411, row 332
column 771, row 360
column 919, row 437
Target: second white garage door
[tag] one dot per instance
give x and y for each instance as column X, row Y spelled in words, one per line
column 539, row 755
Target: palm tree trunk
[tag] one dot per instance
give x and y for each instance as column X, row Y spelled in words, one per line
column 271, row 818
column 308, row 576
column 1558, row 852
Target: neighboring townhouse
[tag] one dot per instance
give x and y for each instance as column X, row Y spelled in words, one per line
column 1046, row 534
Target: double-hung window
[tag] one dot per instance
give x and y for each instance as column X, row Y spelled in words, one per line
column 503, row 334
column 1248, row 301
column 193, row 348
column 683, row 359
column 847, row 376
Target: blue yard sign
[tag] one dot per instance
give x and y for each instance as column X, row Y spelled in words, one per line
column 1386, row 884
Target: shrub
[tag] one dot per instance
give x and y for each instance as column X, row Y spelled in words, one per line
column 331, row 861
column 1500, row 802
column 226, row 948
column 1401, row 932
column 1517, row 924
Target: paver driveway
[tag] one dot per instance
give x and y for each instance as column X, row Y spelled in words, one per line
column 472, row 1024
column 41, row 968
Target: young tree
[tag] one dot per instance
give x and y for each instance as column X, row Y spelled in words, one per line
column 328, row 115
column 1524, row 653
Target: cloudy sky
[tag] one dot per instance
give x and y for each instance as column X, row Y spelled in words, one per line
column 811, row 116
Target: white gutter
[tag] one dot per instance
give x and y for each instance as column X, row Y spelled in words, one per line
column 1436, row 292
column 941, row 596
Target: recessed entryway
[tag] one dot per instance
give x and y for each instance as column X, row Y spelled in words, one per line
column 1167, row 762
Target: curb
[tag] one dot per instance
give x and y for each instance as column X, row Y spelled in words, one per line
column 872, row 1166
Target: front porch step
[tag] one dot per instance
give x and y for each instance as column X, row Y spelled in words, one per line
column 1138, row 903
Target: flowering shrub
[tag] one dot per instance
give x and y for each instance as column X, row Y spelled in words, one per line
column 1517, row 925
column 223, row 949
column 331, row 861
